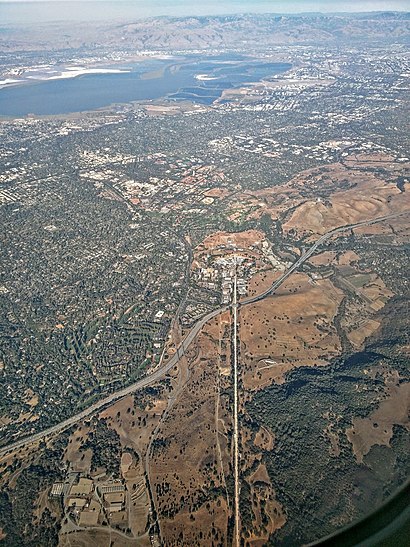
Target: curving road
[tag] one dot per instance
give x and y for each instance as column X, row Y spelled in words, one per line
column 305, row 256
column 146, row 381
column 162, row 371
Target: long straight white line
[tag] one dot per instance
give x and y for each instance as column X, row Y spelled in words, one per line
column 235, row 413
column 161, row 372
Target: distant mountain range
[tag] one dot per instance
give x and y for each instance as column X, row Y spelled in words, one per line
column 168, row 33
column 265, row 29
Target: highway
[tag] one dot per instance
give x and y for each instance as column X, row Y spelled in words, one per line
column 163, row 370
column 144, row 382
column 305, row 256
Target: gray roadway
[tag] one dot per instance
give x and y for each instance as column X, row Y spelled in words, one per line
column 146, row 381
column 305, row 256
column 162, row 371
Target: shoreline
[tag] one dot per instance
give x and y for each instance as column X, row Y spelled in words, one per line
column 67, row 74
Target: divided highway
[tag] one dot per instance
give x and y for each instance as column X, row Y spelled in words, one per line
column 144, row 382
column 163, row 370
column 305, row 256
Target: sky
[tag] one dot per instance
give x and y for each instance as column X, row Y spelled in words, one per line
column 282, row 6
column 22, row 11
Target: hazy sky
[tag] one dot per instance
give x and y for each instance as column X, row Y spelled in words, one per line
column 249, row 5
column 36, row 11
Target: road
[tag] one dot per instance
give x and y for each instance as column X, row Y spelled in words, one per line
column 144, row 382
column 163, row 370
column 235, row 413
column 305, row 256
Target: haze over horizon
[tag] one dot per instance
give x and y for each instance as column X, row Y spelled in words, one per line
column 286, row 6
column 39, row 11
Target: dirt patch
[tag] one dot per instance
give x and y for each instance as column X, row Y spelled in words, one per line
column 323, row 259
column 138, row 497
column 33, row 401
column 264, row 439
column 42, row 503
column 396, row 230
column 134, row 420
column 368, row 197
column 319, row 199
column 378, row 427
column 216, row 193
column 262, row 281
column 347, row 258
column 260, row 475
column 359, row 335
column 359, row 320
column 126, row 461
column 241, row 240
column 268, row 513
column 5, row 420
column 79, row 461
column 185, row 468
column 206, row 526
column 290, row 329
column 372, row 159
column 102, row 538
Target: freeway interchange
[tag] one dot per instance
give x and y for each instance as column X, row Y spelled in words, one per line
column 182, row 348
